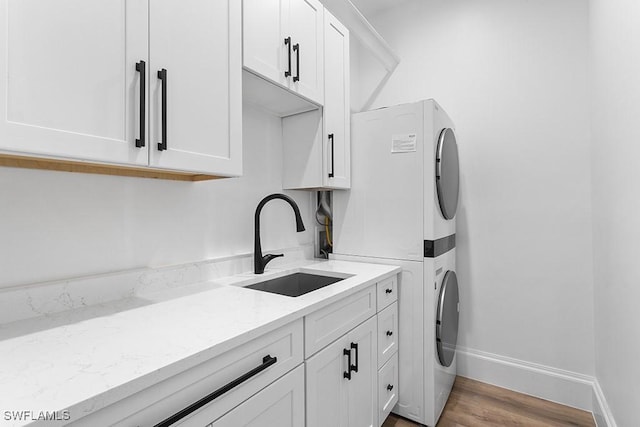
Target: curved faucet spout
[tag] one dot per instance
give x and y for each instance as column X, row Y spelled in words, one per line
column 259, row 261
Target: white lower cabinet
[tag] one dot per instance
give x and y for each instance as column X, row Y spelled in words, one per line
column 387, row 292
column 341, row 380
column 349, row 377
column 333, row 321
column 233, row 377
column 387, row 388
column 281, row 404
column 327, row 387
column 387, row 333
column 362, row 386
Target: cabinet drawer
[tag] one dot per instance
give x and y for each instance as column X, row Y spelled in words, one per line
column 387, row 388
column 327, row 324
column 281, row 404
column 163, row 400
column 387, row 333
column 387, row 291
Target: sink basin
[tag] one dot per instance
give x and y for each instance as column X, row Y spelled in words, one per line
column 295, row 284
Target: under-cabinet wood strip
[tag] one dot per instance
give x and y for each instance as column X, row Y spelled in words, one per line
column 473, row 403
column 9, row 160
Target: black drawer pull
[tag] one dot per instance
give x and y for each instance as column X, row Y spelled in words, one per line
column 354, row 368
column 287, row 42
column 162, row 75
column 296, row 48
column 389, row 333
column 347, row 373
column 141, row 67
column 389, row 387
column 331, row 174
column 388, row 291
column 266, row 362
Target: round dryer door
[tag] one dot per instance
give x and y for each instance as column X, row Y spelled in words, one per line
column 447, row 173
column 447, row 319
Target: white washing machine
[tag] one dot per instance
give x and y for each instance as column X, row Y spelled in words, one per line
column 442, row 333
column 427, row 358
column 401, row 211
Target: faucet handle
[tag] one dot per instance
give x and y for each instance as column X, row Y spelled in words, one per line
column 269, row 257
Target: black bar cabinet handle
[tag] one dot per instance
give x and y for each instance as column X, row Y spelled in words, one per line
column 389, row 387
column 354, row 368
column 266, row 362
column 162, row 76
column 141, row 67
column 347, row 373
column 296, row 48
column 332, row 157
column 389, row 333
column 388, row 291
column 287, row 42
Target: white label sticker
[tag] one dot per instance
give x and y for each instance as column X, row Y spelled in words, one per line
column 405, row 143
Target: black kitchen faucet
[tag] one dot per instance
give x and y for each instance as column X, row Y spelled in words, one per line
column 259, row 261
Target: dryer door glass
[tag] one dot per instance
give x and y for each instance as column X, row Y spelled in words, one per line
column 447, row 173
column 447, row 319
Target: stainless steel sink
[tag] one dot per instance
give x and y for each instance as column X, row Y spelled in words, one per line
column 295, row 284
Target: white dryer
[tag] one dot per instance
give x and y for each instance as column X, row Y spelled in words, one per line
column 401, row 210
column 441, row 173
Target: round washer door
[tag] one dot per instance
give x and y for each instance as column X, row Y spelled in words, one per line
column 447, row 319
column 447, row 173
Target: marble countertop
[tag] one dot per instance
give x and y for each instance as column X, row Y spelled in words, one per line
column 86, row 359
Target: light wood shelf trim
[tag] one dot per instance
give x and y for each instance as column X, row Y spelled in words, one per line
column 26, row 162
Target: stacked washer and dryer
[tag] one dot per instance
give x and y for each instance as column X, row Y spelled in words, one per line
column 401, row 210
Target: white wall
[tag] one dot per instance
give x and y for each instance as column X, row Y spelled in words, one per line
column 513, row 76
column 59, row 225
column 615, row 42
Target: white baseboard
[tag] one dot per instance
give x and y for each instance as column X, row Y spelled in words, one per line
column 601, row 411
column 557, row 385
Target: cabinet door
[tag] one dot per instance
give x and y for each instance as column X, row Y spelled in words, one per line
column 362, row 389
column 281, row 404
column 264, row 32
column 198, row 43
column 306, row 22
column 302, row 150
column 68, row 81
column 336, row 105
column 327, row 394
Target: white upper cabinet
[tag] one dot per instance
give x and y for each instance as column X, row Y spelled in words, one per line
column 306, row 23
column 81, row 82
column 265, row 27
column 337, row 121
column 317, row 145
column 69, row 86
column 283, row 43
column 196, row 104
